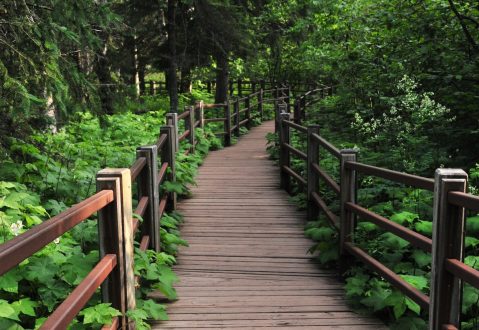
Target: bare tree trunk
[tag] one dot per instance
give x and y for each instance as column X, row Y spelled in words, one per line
column 222, row 73
column 171, row 73
column 52, row 112
column 185, row 85
column 102, row 69
column 137, row 70
column 130, row 70
column 141, row 76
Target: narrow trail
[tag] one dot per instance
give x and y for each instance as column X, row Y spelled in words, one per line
column 247, row 265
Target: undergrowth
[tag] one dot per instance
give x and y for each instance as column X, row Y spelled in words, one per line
column 409, row 207
column 44, row 175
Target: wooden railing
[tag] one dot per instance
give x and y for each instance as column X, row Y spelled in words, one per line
column 240, row 87
column 117, row 227
column 238, row 112
column 450, row 200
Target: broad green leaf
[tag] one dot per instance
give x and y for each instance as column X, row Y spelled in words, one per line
column 41, row 269
column 7, row 311
column 25, row 306
column 155, row 311
column 6, row 324
column 419, row 282
column 99, row 314
column 422, row 258
column 471, row 242
column 367, row 226
column 393, row 242
column 413, row 306
column 397, row 301
column 376, row 299
column 470, row 297
column 424, row 227
column 409, row 323
column 168, row 277
column 356, row 285
column 9, row 281
column 472, row 261
column 404, row 217
column 472, row 225
column 320, row 234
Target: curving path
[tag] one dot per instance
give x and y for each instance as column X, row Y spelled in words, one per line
column 247, row 266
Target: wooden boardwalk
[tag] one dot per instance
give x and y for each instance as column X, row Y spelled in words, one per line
column 247, row 266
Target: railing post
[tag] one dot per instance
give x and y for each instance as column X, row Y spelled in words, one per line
column 208, row 86
column 260, row 104
column 231, row 88
column 201, row 113
column 279, row 108
column 348, row 194
column 227, row 123
column 262, row 84
column 237, row 118
column 253, row 87
column 313, row 177
column 116, row 237
column 148, row 186
column 302, row 108
column 288, row 98
column 447, row 243
column 172, row 119
column 284, row 156
column 168, row 155
column 190, row 125
column 248, row 112
column 152, row 87
column 240, row 88
column 297, row 112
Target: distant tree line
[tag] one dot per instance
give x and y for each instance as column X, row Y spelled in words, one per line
column 59, row 57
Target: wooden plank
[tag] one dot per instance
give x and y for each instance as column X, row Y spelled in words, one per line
column 265, row 316
column 226, row 324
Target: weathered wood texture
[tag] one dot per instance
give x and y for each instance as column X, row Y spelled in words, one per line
column 247, row 265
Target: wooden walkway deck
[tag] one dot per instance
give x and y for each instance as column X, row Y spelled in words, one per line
column 247, row 266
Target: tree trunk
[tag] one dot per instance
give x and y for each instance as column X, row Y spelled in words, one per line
column 129, row 71
column 52, row 112
column 221, row 93
column 185, row 85
column 171, row 73
column 102, row 69
column 141, row 77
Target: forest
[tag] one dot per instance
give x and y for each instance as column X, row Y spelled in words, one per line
column 75, row 97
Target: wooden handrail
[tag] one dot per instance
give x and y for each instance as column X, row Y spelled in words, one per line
column 291, row 124
column 69, row 308
column 327, row 145
column 409, row 235
column 333, row 218
column 24, row 245
column 295, row 151
column 137, row 166
column 420, row 298
column 405, row 178
column 468, row 201
column 463, row 271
